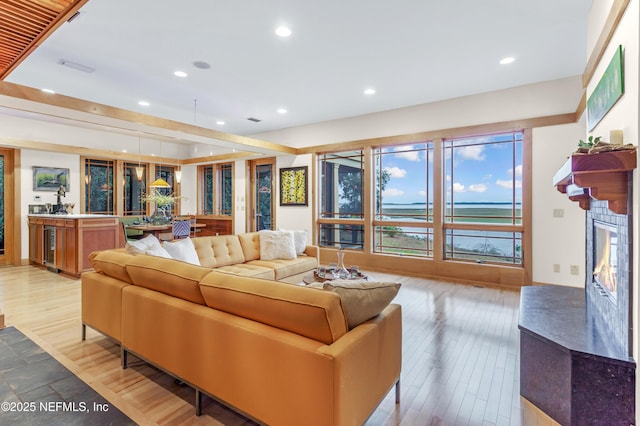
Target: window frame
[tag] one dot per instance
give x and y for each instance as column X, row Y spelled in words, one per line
column 111, row 166
column 217, row 190
column 372, row 222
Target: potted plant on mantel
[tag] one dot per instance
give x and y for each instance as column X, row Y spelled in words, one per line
column 162, row 202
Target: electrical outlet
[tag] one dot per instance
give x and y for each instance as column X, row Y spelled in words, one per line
column 574, row 270
column 556, row 267
column 558, row 212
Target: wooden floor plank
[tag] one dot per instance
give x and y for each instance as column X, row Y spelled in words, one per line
column 460, row 355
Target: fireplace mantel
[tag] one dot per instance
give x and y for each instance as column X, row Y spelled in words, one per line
column 602, row 176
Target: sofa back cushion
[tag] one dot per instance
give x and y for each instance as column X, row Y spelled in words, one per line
column 217, row 251
column 306, row 311
column 112, row 263
column 168, row 276
column 250, row 243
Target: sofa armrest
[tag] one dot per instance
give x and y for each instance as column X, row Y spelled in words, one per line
column 313, row 251
column 367, row 364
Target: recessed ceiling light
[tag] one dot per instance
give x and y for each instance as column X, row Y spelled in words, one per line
column 180, row 74
column 144, row 103
column 369, row 91
column 283, row 31
column 48, row 91
column 282, row 111
column 507, row 60
column 220, row 123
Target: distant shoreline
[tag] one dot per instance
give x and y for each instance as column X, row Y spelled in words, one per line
column 457, row 203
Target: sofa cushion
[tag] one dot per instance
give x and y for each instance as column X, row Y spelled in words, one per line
column 168, row 276
column 284, row 268
column 309, row 312
column 250, row 243
column 248, row 270
column 182, row 250
column 112, row 263
column 220, row 250
column 277, row 245
column 362, row 300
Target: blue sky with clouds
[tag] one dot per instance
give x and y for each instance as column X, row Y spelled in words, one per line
column 479, row 172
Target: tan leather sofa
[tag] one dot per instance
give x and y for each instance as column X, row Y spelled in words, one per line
column 279, row 353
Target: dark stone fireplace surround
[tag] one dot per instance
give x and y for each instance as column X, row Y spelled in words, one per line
column 575, row 344
column 612, row 318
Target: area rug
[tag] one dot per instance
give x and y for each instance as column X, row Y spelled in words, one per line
column 35, row 389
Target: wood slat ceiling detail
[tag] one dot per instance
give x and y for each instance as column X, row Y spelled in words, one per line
column 24, row 24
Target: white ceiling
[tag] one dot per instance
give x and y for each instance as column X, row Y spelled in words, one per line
column 410, row 51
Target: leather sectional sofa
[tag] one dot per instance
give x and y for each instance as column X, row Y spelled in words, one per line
column 279, row 353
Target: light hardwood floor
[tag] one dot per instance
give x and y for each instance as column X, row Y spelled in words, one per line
column 460, row 355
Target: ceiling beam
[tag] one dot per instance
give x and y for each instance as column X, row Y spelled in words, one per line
column 92, row 112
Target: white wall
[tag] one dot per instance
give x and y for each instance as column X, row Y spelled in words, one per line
column 188, row 189
column 624, row 116
column 28, row 159
column 294, row 217
column 556, row 240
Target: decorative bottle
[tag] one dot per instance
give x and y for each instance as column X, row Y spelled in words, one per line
column 341, row 271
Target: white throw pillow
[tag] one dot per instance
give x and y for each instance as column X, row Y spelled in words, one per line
column 182, row 250
column 299, row 240
column 148, row 245
column 277, row 245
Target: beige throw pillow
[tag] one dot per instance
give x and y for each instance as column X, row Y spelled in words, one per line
column 362, row 300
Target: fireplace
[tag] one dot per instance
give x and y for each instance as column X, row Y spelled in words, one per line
column 605, row 253
column 608, row 287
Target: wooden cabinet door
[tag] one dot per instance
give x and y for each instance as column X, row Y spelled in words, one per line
column 70, row 251
column 35, row 243
column 60, row 240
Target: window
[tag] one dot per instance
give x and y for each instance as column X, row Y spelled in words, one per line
column 483, row 208
column 403, row 219
column 342, row 199
column 98, row 180
column 168, row 174
column 217, row 189
column 134, row 190
column 474, row 213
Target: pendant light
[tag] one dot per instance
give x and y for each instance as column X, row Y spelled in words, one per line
column 178, row 175
column 139, row 169
column 160, row 183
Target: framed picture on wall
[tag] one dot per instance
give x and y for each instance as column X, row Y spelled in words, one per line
column 50, row 178
column 293, row 186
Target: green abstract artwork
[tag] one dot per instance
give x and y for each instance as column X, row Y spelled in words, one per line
column 609, row 89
